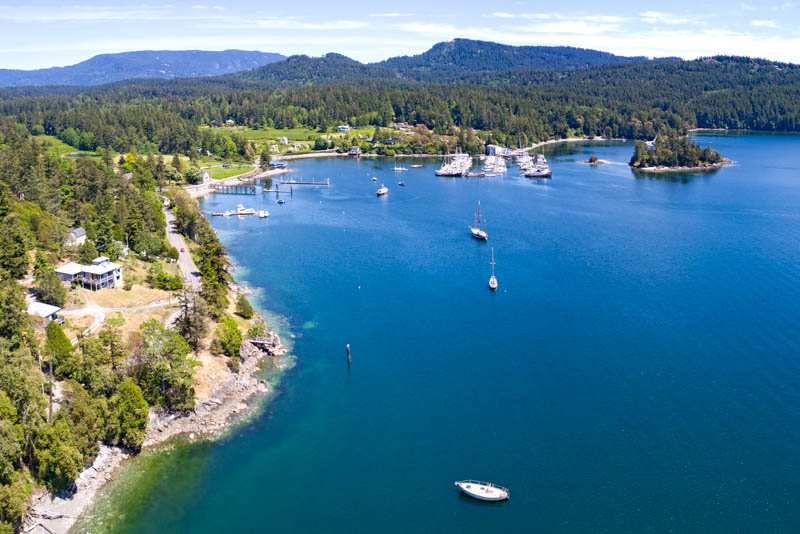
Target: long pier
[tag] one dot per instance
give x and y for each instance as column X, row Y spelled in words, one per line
column 233, row 189
column 298, row 182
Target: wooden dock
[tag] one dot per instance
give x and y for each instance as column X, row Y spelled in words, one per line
column 233, row 189
column 298, row 182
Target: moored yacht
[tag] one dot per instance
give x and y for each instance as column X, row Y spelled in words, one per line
column 483, row 491
column 382, row 191
column 493, row 279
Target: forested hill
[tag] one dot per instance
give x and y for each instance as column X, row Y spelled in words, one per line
column 466, row 55
column 106, row 68
column 634, row 100
column 460, row 59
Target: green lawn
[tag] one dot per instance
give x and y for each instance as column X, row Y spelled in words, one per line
column 218, row 172
column 269, row 136
column 59, row 147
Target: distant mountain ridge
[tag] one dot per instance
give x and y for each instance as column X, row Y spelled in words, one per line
column 460, row 59
column 146, row 64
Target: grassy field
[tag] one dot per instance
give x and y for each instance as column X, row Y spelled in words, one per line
column 218, row 172
column 59, row 147
column 270, row 136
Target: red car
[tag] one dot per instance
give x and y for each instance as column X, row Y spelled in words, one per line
column 183, row 249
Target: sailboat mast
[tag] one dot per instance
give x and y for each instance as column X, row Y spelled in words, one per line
column 492, row 261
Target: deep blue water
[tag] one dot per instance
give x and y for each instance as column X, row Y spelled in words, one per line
column 637, row 371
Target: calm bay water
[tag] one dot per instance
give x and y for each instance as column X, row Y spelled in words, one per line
column 637, row 371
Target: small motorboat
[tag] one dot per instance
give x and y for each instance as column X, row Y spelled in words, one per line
column 483, row 491
column 281, row 201
column 401, row 184
column 417, row 166
column 374, row 179
column 400, row 169
column 263, row 214
column 382, row 191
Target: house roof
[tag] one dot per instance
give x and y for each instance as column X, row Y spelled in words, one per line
column 40, row 309
column 70, row 268
column 78, row 232
column 101, row 268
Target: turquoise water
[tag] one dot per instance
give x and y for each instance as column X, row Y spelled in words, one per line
column 637, row 370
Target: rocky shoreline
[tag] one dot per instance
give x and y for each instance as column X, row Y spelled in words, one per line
column 56, row 513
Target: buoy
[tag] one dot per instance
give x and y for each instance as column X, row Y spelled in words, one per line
column 348, row 353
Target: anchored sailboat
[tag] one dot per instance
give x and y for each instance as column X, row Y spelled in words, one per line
column 493, row 279
column 478, row 227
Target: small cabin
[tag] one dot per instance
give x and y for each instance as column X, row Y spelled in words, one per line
column 45, row 311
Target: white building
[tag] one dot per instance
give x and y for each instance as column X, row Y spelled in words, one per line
column 45, row 311
column 76, row 236
column 100, row 274
column 344, row 128
column 283, row 141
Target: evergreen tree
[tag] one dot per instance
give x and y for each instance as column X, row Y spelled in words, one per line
column 131, row 409
column 87, row 253
column 48, row 286
column 243, row 307
column 15, row 240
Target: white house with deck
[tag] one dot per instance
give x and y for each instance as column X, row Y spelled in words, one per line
column 102, row 273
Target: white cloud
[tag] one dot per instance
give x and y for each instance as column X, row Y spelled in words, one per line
column 391, row 15
column 760, row 23
column 746, row 6
column 653, row 17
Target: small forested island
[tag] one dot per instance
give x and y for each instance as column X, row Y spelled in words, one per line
column 671, row 151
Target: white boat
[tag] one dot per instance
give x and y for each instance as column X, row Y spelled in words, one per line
column 374, row 179
column 400, row 169
column 241, row 210
column 478, row 227
column 281, row 201
column 483, row 491
column 493, row 279
column 417, row 166
column 263, row 214
column 383, row 190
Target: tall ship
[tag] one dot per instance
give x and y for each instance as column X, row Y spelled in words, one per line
column 478, row 228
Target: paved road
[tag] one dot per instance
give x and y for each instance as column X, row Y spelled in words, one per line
column 185, row 261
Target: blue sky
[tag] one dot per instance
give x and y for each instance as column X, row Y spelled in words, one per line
column 43, row 33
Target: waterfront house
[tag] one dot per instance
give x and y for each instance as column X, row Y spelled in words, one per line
column 102, row 273
column 344, row 128
column 76, row 236
column 355, row 151
column 45, row 311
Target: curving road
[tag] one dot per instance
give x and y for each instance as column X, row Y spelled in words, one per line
column 185, row 260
